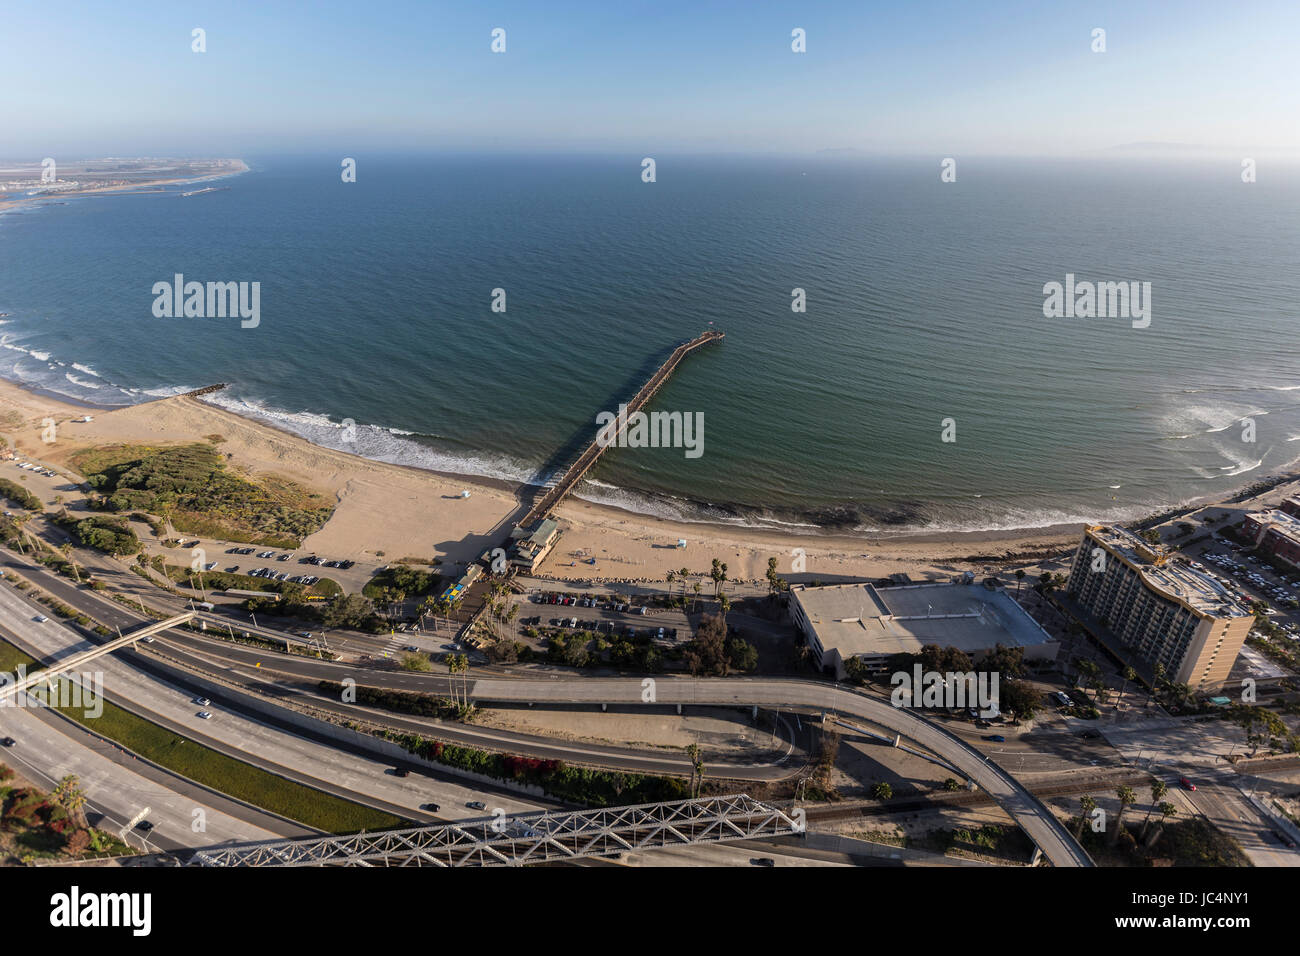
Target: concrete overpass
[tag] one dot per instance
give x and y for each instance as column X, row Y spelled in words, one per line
column 74, row 662
column 1051, row 836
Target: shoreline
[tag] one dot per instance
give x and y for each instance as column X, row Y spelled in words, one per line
column 150, row 185
column 386, row 511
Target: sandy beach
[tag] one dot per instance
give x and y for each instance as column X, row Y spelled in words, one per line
column 396, row 511
column 145, row 185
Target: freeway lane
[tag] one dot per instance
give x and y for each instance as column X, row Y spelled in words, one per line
column 1048, row 833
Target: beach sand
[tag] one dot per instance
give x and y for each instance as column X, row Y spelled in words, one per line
column 395, row 511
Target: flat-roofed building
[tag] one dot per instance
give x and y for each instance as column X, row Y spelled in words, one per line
column 1161, row 611
column 1276, row 533
column 844, row 621
column 531, row 545
column 1291, row 505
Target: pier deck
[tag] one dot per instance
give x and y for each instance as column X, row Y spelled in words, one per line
column 574, row 473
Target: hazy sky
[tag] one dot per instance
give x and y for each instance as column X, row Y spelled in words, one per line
column 959, row 77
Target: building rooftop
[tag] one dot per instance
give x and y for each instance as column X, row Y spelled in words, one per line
column 1285, row 524
column 858, row 619
column 1196, row 589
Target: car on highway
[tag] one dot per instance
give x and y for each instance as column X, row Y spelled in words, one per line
column 1186, row 784
column 400, row 772
column 204, row 715
column 476, row 805
column 40, row 619
column 430, row 807
column 411, row 648
column 994, row 738
column 202, row 701
column 762, row 861
column 144, row 826
column 7, row 741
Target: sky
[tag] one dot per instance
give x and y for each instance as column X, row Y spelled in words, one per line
column 995, row 77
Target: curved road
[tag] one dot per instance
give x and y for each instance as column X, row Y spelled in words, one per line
column 1038, row 822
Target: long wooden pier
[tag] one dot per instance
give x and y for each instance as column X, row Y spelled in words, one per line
column 573, row 474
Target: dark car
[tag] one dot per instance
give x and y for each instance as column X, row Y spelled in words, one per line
column 762, row 861
column 144, row 826
column 7, row 741
column 995, row 738
column 430, row 807
column 400, row 772
column 1090, row 734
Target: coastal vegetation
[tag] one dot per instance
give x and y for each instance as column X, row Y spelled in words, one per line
column 580, row 785
column 397, row 582
column 193, row 490
column 17, row 494
column 110, row 535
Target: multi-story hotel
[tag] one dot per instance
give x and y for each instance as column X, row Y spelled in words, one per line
column 1161, row 611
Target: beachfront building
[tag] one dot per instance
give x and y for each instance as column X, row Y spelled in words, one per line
column 1157, row 610
column 873, row 624
column 531, row 545
column 1291, row 505
column 456, row 592
column 1276, row 533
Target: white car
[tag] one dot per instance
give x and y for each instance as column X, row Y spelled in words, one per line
column 40, row 619
column 204, row 715
column 202, row 701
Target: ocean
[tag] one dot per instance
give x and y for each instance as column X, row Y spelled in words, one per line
column 924, row 320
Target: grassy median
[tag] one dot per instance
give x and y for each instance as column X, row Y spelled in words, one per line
column 204, row 765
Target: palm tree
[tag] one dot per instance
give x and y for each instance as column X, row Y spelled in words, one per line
column 681, row 574
column 696, row 602
column 1086, row 806
column 68, row 794
column 724, row 603
column 1167, row 810
column 1126, row 799
column 697, row 768
column 715, row 574
column 453, row 668
column 1158, row 790
column 66, row 550
column 672, row 576
column 1020, row 577
column 1129, row 675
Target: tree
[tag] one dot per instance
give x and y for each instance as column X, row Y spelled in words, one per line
column 672, row 576
column 68, row 795
column 1167, row 810
column 697, row 767
column 772, row 578
column 707, row 652
column 882, row 791
column 1020, row 578
column 1158, row 790
column 1126, row 799
column 1087, row 806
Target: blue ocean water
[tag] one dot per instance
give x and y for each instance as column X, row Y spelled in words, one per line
column 924, row 303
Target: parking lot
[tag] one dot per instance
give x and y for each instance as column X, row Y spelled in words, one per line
column 602, row 615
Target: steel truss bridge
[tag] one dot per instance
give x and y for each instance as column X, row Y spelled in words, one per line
column 540, row 837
